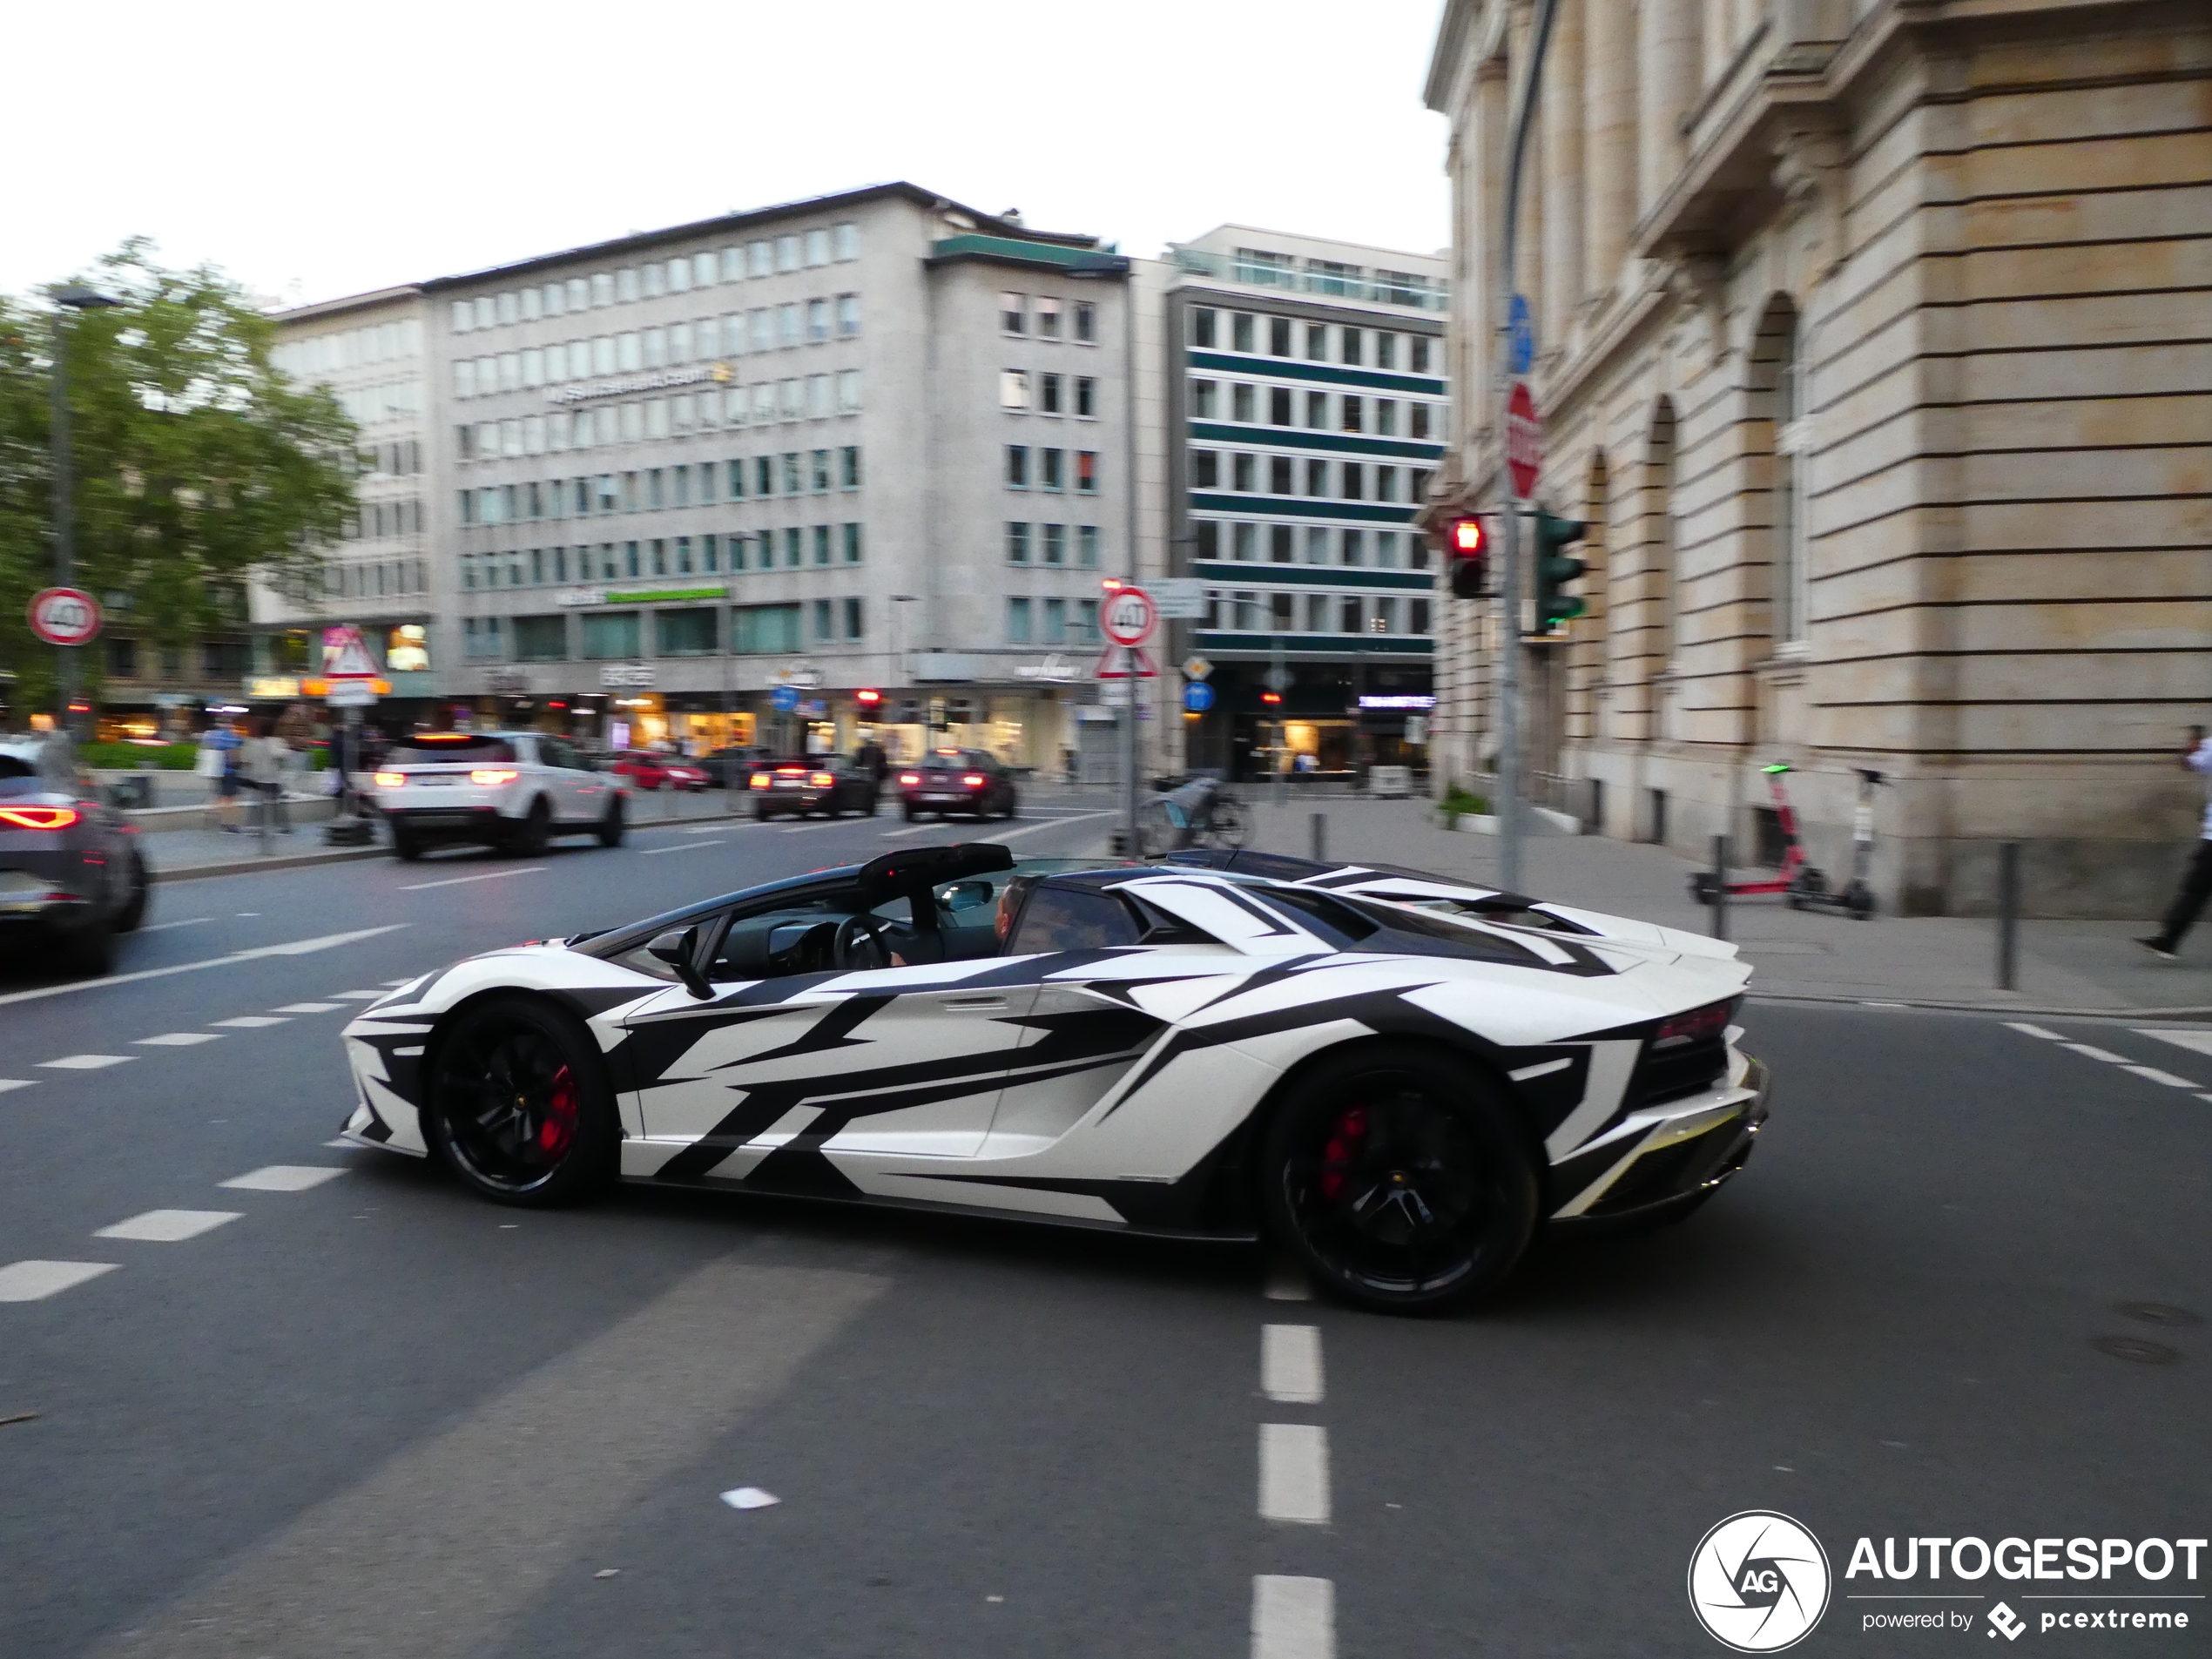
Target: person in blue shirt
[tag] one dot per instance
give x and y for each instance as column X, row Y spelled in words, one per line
column 2196, row 881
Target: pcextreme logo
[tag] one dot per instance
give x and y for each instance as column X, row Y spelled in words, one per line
column 1759, row 1582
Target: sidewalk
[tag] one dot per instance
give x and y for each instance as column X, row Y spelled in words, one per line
column 2088, row 967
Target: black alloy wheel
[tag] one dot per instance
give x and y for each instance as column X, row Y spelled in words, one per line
column 519, row 1105
column 529, row 836
column 614, row 825
column 136, row 890
column 1400, row 1178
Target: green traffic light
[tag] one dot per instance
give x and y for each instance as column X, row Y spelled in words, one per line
column 1556, row 569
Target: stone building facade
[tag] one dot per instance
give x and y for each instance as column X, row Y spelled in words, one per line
column 1874, row 339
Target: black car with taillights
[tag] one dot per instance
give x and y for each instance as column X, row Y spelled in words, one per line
column 71, row 875
column 968, row 783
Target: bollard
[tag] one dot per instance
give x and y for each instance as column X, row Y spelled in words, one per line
column 2008, row 915
column 1720, row 887
column 1320, row 837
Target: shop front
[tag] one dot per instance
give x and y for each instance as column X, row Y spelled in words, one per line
column 1329, row 721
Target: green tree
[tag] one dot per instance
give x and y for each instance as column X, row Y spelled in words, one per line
column 196, row 465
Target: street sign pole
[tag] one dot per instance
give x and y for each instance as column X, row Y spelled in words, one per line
column 1508, row 802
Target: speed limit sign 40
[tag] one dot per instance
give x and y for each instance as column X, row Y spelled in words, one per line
column 64, row 616
column 1129, row 616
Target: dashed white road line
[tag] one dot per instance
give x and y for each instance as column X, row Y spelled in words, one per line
column 169, row 1226
column 2158, row 1076
column 88, row 1062
column 1050, row 823
column 6, row 1084
column 2094, row 1053
column 164, row 926
column 251, row 1021
column 306, row 1007
column 36, row 1281
column 291, row 947
column 1293, row 1618
column 1289, row 1363
column 406, row 980
column 1294, row 1473
column 357, row 996
column 681, row 846
column 180, row 1039
column 2195, row 1042
column 456, row 881
column 282, row 1178
column 2026, row 1029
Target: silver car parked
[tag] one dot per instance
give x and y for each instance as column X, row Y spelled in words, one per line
column 71, row 875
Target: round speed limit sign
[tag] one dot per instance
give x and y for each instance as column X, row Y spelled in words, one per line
column 64, row 616
column 1129, row 616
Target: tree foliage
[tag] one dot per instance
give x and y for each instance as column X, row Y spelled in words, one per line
column 196, row 465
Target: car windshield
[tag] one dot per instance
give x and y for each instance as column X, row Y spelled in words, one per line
column 433, row 748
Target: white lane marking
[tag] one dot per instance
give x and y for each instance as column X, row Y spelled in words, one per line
column 1289, row 1363
column 1544, row 1069
column 180, row 1039
column 456, row 881
column 305, row 1007
column 2195, row 1042
column 164, row 926
column 409, row 980
column 1055, row 823
column 169, row 1226
column 1294, row 1473
column 1293, row 1618
column 343, row 1145
column 749, row 1497
column 6, row 1084
column 912, row 829
column 2158, row 1076
column 1286, row 1283
column 281, row 1177
column 251, row 1021
column 796, row 829
column 681, row 846
column 34, row 1281
column 703, row 829
column 249, row 912
column 293, row 947
column 88, row 1062
column 2025, row 1029
column 2097, row 1054
column 357, row 996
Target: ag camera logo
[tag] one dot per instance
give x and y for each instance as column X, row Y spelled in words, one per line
column 1759, row 1582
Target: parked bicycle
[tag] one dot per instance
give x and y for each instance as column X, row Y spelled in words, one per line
column 1201, row 812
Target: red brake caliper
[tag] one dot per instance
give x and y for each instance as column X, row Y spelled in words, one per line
column 1343, row 1141
column 557, row 1128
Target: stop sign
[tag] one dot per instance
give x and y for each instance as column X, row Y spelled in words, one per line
column 64, row 616
column 1524, row 440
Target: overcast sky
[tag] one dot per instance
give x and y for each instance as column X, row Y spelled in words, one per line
column 317, row 150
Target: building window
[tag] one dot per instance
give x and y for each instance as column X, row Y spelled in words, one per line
column 610, row 637
column 1353, row 415
column 1417, row 618
column 1242, row 326
column 1279, row 474
column 1056, row 544
column 1385, row 349
column 788, row 326
column 1087, row 546
column 541, row 640
column 845, row 240
column 1386, row 549
column 849, row 316
column 1348, row 621
column 1047, row 318
column 855, row 619
column 1317, row 343
column 1201, row 399
column 818, row 471
column 1350, row 345
column 1013, row 313
column 764, row 629
column 1202, row 326
column 1017, row 542
column 1386, row 483
column 710, row 555
column 818, row 319
column 1420, row 344
column 1086, row 323
column 1352, row 547
column 1354, row 481
column 1207, row 542
column 794, row 547
column 1317, row 411
column 1316, row 545
column 1086, row 472
column 818, row 248
column 684, row 633
column 821, row 544
column 1055, row 622
column 1317, row 477
column 764, row 474
column 1317, row 613
column 791, row 473
column 1048, row 393
column 1280, row 547
column 787, row 253
column 1052, row 468
column 1205, row 469
column 1084, row 630
column 1017, row 466
column 1278, row 336
column 1014, row 389
column 848, row 391
column 851, row 533
column 1018, row 621
column 1279, row 403
column 1246, row 466
column 1384, row 621
column 848, row 467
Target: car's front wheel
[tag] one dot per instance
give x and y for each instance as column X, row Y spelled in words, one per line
column 1400, row 1178
column 519, row 1106
column 406, row 843
column 612, row 826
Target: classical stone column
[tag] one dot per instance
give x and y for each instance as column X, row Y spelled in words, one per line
column 1608, row 140
column 1669, row 39
column 1562, row 113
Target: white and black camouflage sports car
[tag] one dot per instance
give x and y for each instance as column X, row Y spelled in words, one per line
column 1395, row 1076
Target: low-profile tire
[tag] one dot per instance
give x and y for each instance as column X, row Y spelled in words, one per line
column 614, row 825
column 134, row 900
column 909, row 814
column 528, row 838
column 406, row 842
column 88, row 951
column 1013, row 805
column 760, row 812
column 1400, row 1178
column 518, row 1105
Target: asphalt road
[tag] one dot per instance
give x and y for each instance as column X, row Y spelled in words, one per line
column 371, row 1415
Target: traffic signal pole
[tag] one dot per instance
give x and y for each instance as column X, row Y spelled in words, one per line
column 1508, row 801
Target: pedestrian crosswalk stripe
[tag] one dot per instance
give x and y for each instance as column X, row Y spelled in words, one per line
column 251, row 1021
column 282, row 1178
column 88, row 1062
column 34, row 1281
column 168, row 1226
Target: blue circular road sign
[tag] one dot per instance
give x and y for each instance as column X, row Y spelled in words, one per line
column 1197, row 697
column 784, row 698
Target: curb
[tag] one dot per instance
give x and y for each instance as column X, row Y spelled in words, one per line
column 2049, row 1010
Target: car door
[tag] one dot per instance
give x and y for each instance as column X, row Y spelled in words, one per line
column 795, row 1076
column 575, row 791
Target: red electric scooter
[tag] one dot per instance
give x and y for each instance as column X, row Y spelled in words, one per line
column 1803, row 885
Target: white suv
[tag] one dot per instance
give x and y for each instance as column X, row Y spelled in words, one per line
column 508, row 789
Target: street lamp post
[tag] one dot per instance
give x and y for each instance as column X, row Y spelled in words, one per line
column 68, row 297
column 898, row 603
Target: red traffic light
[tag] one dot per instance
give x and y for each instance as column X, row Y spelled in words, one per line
column 1270, row 697
column 1467, row 537
column 868, row 699
column 1467, row 551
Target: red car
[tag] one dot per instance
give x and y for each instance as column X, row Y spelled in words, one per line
column 647, row 770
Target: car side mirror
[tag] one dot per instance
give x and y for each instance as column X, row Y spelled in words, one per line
column 966, row 895
column 675, row 948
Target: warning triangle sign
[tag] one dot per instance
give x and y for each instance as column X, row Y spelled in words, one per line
column 345, row 655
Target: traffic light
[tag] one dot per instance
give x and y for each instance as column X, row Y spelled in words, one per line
column 1555, row 567
column 1469, row 549
column 869, row 699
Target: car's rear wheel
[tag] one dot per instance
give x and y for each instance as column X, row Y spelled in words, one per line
column 613, row 825
column 908, row 813
column 134, row 899
column 88, row 950
column 528, row 838
column 1400, row 1178
column 519, row 1105
column 406, row 842
column 760, row 812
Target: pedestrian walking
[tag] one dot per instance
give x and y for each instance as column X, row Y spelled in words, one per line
column 217, row 763
column 2196, row 880
column 261, row 760
column 869, row 758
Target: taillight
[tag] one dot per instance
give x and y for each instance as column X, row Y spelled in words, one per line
column 790, row 771
column 974, row 780
column 821, row 780
column 909, row 778
column 1699, row 1025
column 759, row 781
column 390, row 780
column 40, row 818
column 490, row 776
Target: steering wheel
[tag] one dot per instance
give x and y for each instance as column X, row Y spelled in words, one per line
column 846, row 949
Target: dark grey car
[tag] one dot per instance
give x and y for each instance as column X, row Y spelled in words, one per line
column 71, row 875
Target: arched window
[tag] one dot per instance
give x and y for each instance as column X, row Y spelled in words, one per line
column 1663, row 581
column 1792, row 470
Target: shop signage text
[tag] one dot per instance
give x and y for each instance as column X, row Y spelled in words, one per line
column 574, row 596
column 626, row 676
column 659, row 380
